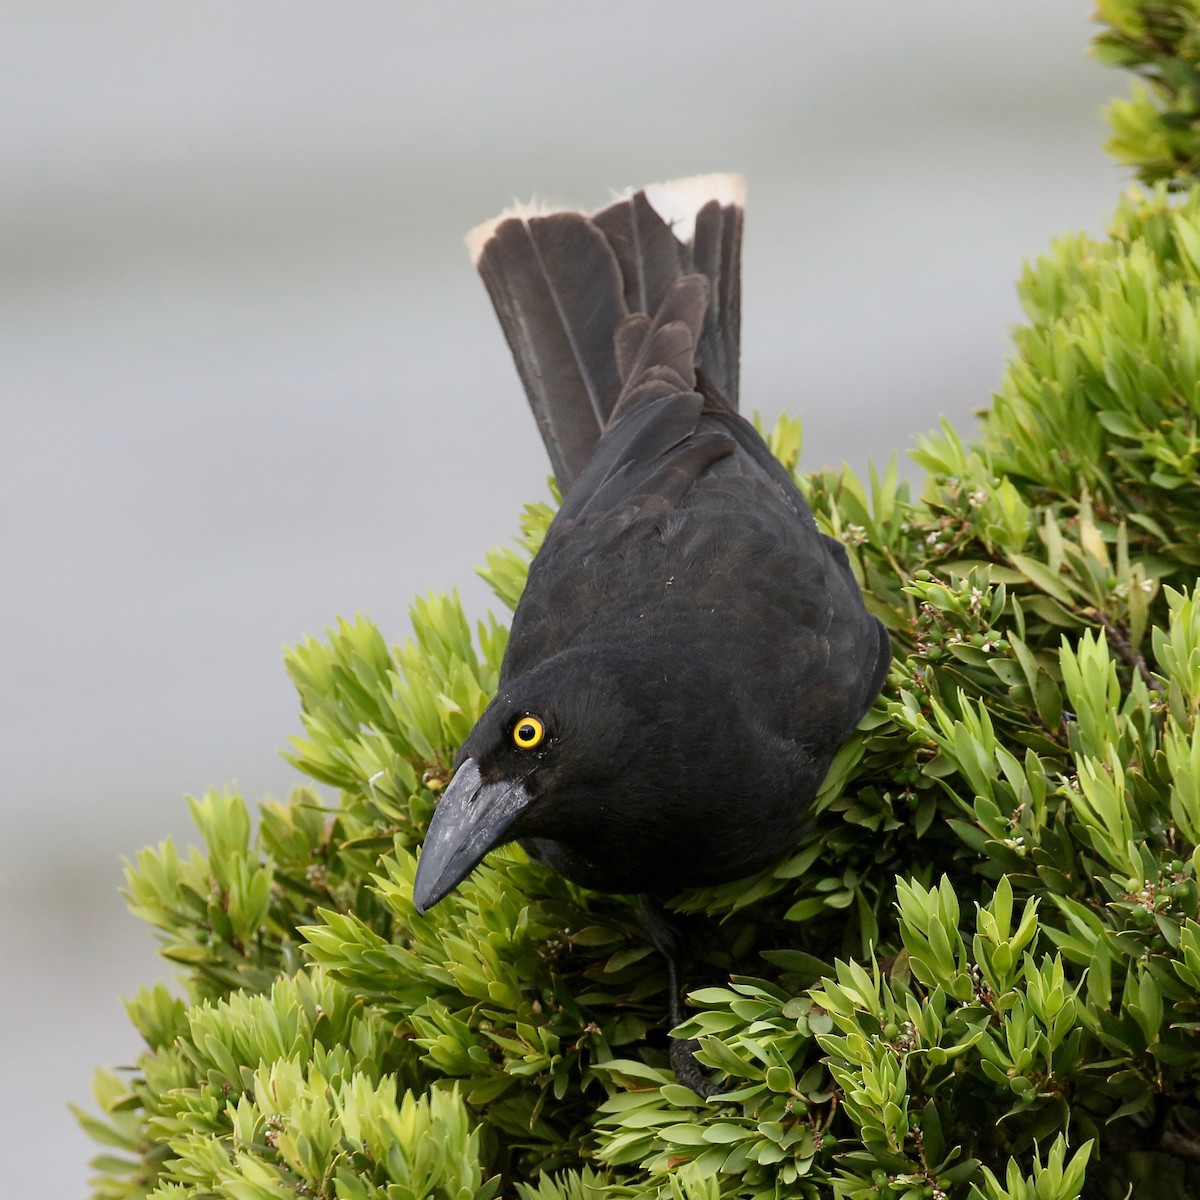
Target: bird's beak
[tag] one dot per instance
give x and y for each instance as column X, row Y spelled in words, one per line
column 472, row 818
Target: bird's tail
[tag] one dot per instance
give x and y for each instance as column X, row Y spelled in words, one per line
column 647, row 289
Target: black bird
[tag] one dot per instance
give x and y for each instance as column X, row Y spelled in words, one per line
column 690, row 651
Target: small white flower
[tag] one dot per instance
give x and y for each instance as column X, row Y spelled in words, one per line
column 978, row 498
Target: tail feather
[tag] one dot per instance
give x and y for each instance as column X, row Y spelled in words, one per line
column 717, row 254
column 557, row 291
column 650, row 256
column 630, row 336
column 664, row 362
column 637, row 298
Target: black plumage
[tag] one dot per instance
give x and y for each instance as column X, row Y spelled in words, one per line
column 690, row 651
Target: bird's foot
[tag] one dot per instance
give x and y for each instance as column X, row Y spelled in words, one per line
column 666, row 937
column 687, row 1070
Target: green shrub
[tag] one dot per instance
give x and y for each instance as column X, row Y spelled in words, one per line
column 1156, row 130
column 977, row 976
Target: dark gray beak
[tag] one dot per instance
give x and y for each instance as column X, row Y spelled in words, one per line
column 472, row 818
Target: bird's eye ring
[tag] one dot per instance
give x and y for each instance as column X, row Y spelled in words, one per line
column 528, row 732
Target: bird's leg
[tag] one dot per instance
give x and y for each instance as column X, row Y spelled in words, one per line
column 665, row 936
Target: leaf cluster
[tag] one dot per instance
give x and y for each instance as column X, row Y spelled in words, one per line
column 1157, row 129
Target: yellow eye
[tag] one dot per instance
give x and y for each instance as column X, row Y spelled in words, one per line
column 528, row 732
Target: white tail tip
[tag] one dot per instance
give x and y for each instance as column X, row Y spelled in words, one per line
column 677, row 201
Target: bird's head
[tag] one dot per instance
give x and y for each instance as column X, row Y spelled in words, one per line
column 550, row 741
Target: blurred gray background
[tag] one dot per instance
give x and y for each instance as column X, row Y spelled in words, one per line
column 249, row 381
